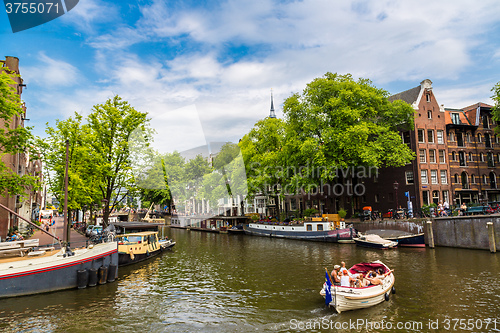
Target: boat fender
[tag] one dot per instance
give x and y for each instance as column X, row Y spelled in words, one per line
column 386, row 296
column 112, row 272
column 92, row 277
column 147, row 253
column 393, row 290
column 132, row 256
column 103, row 274
column 82, row 278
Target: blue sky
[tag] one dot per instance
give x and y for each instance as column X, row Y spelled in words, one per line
column 204, row 69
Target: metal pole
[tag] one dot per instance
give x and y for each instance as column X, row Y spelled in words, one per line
column 32, row 224
column 66, row 220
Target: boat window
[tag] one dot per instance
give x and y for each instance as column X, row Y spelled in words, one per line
column 309, row 227
column 320, row 227
column 132, row 239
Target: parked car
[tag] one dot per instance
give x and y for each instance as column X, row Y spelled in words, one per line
column 96, row 230
column 88, row 230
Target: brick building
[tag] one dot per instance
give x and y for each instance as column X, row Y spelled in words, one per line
column 19, row 163
column 474, row 154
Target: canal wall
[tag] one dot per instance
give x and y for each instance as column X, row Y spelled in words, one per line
column 469, row 232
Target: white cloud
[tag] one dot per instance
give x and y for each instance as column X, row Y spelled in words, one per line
column 50, row 72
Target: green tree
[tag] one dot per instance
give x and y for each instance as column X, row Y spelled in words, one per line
column 338, row 122
column 14, row 140
column 496, row 107
column 111, row 125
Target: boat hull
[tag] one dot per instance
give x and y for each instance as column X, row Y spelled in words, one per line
column 47, row 274
column 374, row 245
column 125, row 258
column 417, row 240
column 333, row 236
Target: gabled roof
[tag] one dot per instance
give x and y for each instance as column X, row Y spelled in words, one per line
column 464, row 118
column 409, row 96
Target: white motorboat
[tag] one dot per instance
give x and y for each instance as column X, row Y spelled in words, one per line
column 375, row 241
column 348, row 298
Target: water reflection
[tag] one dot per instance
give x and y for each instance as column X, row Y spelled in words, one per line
column 237, row 283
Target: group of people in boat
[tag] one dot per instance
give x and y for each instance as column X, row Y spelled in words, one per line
column 342, row 277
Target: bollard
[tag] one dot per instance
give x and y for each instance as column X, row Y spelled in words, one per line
column 491, row 237
column 430, row 234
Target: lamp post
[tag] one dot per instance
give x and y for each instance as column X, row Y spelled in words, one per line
column 396, row 185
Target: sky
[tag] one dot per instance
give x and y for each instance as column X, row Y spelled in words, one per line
column 204, row 70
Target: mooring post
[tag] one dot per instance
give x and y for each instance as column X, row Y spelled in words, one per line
column 491, row 237
column 430, row 234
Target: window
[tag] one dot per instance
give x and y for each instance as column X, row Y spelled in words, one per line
column 406, row 137
column 429, row 114
column 481, row 157
column 430, row 136
column 455, row 118
column 444, row 177
column 487, row 140
column 486, row 122
column 428, row 97
column 491, row 161
column 442, row 158
column 498, row 158
column 434, row 177
column 465, row 180
column 473, row 179
column 440, row 137
column 425, row 197
column 423, row 177
column 446, row 196
column 452, row 137
column 469, row 137
column 319, row 227
column 409, row 177
column 479, row 138
column 420, row 134
column 309, row 227
column 460, row 139
column 455, row 178
column 485, row 179
column 422, row 156
column 470, row 157
column 376, row 197
column 461, row 158
column 435, row 197
column 432, row 156
column 453, row 156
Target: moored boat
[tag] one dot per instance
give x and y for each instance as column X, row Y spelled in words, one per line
column 139, row 246
column 322, row 231
column 375, row 241
column 348, row 298
column 58, row 270
column 402, row 237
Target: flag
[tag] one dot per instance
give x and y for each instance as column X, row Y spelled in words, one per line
column 328, row 288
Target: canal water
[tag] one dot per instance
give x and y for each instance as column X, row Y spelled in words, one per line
column 237, row 283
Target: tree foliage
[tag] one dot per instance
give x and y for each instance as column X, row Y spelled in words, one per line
column 336, row 122
column 496, row 107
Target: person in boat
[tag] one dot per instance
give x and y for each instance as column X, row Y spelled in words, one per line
column 346, row 280
column 361, row 282
column 342, row 269
column 335, row 275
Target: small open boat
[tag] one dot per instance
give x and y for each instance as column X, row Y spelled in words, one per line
column 375, row 241
column 402, row 237
column 347, row 298
column 139, row 246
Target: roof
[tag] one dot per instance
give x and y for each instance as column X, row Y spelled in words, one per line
column 409, row 96
column 463, row 117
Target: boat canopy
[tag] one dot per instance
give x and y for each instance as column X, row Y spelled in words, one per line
column 364, row 267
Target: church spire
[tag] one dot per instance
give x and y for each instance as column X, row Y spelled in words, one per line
column 272, row 114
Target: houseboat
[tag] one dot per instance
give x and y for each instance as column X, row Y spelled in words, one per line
column 320, row 231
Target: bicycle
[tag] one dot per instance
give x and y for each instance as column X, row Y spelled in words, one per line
column 103, row 237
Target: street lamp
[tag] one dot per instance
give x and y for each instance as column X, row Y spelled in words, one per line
column 396, row 185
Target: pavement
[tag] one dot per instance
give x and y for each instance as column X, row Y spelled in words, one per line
column 76, row 239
